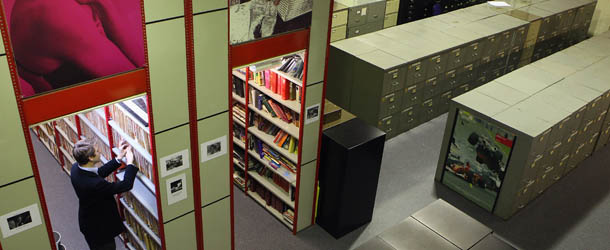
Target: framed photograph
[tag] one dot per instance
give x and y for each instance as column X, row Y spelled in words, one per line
column 312, row 114
column 175, row 163
column 176, row 189
column 20, row 220
column 93, row 47
column 257, row 19
column 476, row 162
column 214, row 148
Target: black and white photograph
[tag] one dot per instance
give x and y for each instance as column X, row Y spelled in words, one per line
column 176, row 186
column 257, row 19
column 312, row 114
column 20, row 220
column 176, row 189
column 214, row 148
column 174, row 163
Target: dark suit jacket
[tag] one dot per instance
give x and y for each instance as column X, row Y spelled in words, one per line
column 98, row 215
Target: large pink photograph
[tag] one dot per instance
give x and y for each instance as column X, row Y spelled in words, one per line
column 59, row 43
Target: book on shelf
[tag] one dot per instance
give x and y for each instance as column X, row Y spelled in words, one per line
column 239, row 179
column 265, row 152
column 270, row 199
column 143, row 236
column 140, row 161
column 277, row 84
column 88, row 133
column 142, row 212
column 289, row 216
column 132, row 117
column 239, row 112
column 68, row 131
column 263, row 171
column 97, row 117
column 239, row 132
column 239, row 87
column 293, row 65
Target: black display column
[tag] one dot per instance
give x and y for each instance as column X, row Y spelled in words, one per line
column 350, row 160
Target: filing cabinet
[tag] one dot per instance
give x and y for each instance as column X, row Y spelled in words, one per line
column 353, row 18
column 559, row 117
column 383, row 73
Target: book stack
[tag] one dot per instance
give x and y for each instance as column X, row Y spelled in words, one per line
column 98, row 118
column 132, row 118
column 274, row 159
column 143, row 241
column 46, row 134
column 239, row 113
column 239, row 87
column 281, row 138
column 273, row 108
column 239, row 133
column 271, row 176
column 143, row 214
column 269, row 198
column 288, row 216
column 99, row 143
column 68, row 130
column 278, row 84
column 140, row 161
column 293, row 66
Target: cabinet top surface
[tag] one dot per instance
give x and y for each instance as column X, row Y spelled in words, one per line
column 353, row 133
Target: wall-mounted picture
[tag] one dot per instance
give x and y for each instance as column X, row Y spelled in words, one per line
column 61, row 43
column 176, row 189
column 20, row 220
column 312, row 113
column 213, row 148
column 256, row 19
column 174, row 163
column 477, row 158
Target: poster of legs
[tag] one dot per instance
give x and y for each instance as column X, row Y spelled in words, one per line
column 256, row 19
column 477, row 158
column 60, row 43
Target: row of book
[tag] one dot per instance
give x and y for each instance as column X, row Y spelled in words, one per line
column 147, row 241
column 293, row 65
column 48, row 141
column 239, row 112
column 88, row 133
column 281, row 138
column 131, row 122
column 270, row 199
column 263, row 171
column 239, row 132
column 142, row 212
column 288, row 216
column 140, row 161
column 239, row 87
column 264, row 103
column 63, row 141
column 48, row 127
column 275, row 159
column 98, row 119
column 278, row 85
column 67, row 129
column 239, row 178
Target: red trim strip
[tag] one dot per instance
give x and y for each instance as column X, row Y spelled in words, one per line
column 11, row 62
column 256, row 51
column 192, row 106
column 315, row 194
column 151, row 125
column 63, row 102
column 231, row 134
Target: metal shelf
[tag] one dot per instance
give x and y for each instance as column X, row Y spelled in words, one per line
column 139, row 220
column 134, row 235
column 268, row 139
column 289, row 128
column 146, row 198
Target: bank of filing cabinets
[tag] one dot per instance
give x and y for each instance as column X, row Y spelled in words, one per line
column 557, row 109
column 400, row 77
column 352, row 18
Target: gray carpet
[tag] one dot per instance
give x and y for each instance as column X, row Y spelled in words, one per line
column 62, row 202
column 573, row 214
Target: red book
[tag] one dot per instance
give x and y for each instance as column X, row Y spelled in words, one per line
column 285, row 89
column 278, row 136
column 273, row 81
column 281, row 114
column 266, row 78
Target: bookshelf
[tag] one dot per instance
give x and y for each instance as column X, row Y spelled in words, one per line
column 268, row 125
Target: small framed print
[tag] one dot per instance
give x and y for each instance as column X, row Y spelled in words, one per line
column 176, row 189
column 213, row 148
column 175, row 163
column 20, row 220
column 312, row 114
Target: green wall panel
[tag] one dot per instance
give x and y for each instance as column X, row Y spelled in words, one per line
column 168, row 81
column 162, row 9
column 211, row 62
column 17, row 196
column 318, row 41
column 214, row 172
column 311, row 131
column 207, row 5
column 168, row 143
column 181, row 233
column 217, row 225
column 306, row 192
column 12, row 140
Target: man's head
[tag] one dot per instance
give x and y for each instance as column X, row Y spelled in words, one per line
column 85, row 152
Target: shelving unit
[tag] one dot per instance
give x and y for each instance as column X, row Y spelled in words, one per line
column 274, row 103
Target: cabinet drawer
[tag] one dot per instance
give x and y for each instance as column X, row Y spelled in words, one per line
column 412, row 95
column 391, row 6
column 364, row 29
column 389, row 104
column 339, row 18
column 436, row 65
column 431, row 88
column 409, row 118
column 388, row 125
column 416, row 72
column 357, row 16
column 338, row 33
column 390, row 20
column 376, row 12
column 393, row 80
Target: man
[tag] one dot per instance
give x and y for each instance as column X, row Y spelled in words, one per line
column 98, row 217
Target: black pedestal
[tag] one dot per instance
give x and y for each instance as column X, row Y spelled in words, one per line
column 350, row 160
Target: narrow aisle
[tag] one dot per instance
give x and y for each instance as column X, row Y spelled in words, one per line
column 62, row 202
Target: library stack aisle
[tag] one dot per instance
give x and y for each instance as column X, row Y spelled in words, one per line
column 171, row 106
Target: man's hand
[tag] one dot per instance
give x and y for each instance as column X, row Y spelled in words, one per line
column 129, row 155
column 123, row 148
